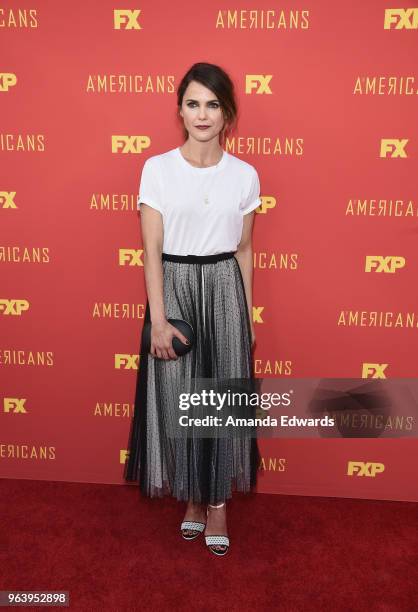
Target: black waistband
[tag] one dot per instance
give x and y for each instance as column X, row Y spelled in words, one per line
column 197, row 258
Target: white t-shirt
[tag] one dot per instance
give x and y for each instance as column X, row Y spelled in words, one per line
column 175, row 188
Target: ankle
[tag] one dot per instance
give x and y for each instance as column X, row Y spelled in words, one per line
column 192, row 504
column 214, row 506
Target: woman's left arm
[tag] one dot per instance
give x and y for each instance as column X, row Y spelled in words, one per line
column 244, row 256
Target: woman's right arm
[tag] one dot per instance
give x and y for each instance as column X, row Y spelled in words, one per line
column 152, row 239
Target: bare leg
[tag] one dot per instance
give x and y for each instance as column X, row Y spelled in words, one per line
column 216, row 524
column 194, row 512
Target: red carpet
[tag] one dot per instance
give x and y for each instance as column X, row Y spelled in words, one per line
column 115, row 551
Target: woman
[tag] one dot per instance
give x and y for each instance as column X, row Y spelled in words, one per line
column 197, row 204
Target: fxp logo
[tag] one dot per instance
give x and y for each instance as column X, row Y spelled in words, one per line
column 267, row 203
column 7, row 80
column 361, row 468
column 388, row 265
column 122, row 143
column 13, row 307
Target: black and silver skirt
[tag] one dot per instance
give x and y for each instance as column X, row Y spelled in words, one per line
column 208, row 292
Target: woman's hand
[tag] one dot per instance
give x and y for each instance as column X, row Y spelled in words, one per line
column 162, row 334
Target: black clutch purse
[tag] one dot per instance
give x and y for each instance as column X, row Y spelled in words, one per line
column 179, row 347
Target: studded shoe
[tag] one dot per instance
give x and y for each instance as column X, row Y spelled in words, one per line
column 217, row 540
column 192, row 526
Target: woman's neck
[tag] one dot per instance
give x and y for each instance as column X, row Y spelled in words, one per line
column 202, row 154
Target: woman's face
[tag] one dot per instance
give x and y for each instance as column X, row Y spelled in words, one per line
column 200, row 106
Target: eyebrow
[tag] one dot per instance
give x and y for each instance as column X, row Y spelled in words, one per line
column 191, row 100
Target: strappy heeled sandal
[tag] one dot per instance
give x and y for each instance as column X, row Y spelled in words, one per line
column 192, row 526
column 217, row 540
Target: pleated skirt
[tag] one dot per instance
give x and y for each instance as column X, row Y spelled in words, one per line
column 208, row 292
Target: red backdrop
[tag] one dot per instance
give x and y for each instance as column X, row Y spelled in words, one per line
column 327, row 99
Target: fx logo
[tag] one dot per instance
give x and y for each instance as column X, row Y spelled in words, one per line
column 392, row 147
column 13, row 307
column 129, row 144
column 123, row 361
column 401, row 19
column 259, row 82
column 388, row 264
column 364, row 469
column 257, row 310
column 267, row 202
column 126, row 19
column 373, row 370
column 6, row 199
column 130, row 257
column 7, row 80
column 14, row 404
column 123, row 455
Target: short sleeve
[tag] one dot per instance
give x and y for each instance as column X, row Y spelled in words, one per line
column 252, row 199
column 150, row 187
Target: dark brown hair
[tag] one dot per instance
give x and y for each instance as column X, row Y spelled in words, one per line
column 217, row 80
